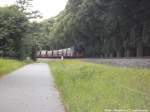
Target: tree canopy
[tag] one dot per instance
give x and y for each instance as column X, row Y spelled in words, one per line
column 13, row 27
column 99, row 28
column 19, row 37
column 102, row 27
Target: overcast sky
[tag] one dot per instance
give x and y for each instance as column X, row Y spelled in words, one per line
column 48, row 8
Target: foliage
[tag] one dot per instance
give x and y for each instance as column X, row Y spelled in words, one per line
column 25, row 7
column 100, row 28
column 103, row 27
column 19, row 36
column 87, row 87
column 13, row 28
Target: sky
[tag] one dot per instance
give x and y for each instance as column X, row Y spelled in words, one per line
column 48, row 8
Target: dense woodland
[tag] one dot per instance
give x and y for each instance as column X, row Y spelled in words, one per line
column 99, row 28
column 110, row 28
column 18, row 35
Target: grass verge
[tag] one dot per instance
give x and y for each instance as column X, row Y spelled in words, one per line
column 87, row 87
column 8, row 65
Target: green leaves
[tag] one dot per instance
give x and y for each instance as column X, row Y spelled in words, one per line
column 25, row 7
column 13, row 27
column 102, row 27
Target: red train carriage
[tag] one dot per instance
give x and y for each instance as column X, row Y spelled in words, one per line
column 67, row 53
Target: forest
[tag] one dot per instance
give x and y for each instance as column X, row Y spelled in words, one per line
column 99, row 28
column 18, row 37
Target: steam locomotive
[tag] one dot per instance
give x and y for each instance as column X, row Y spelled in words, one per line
column 67, row 53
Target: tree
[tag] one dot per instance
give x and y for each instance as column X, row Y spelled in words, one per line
column 13, row 27
column 25, row 6
column 101, row 28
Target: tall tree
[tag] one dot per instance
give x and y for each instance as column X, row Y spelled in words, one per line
column 103, row 27
column 26, row 7
column 14, row 25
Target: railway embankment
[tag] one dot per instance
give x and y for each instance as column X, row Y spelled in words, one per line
column 130, row 62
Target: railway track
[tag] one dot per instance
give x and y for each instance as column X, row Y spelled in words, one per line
column 122, row 62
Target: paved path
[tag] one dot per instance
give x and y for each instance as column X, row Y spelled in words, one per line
column 29, row 89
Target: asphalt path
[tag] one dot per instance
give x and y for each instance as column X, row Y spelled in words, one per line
column 30, row 89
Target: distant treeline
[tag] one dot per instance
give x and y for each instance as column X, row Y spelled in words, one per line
column 106, row 28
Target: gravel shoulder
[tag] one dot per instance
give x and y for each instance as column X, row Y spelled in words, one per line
column 135, row 63
column 30, row 89
column 124, row 62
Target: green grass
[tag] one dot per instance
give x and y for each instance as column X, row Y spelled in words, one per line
column 8, row 65
column 87, row 87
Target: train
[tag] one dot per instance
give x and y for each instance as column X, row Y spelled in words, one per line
column 66, row 53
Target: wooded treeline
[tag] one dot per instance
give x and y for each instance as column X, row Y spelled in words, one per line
column 18, row 36
column 102, row 28
column 98, row 28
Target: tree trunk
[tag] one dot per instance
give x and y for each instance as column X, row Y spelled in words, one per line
column 105, row 56
column 127, row 53
column 118, row 54
column 111, row 55
column 139, row 51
